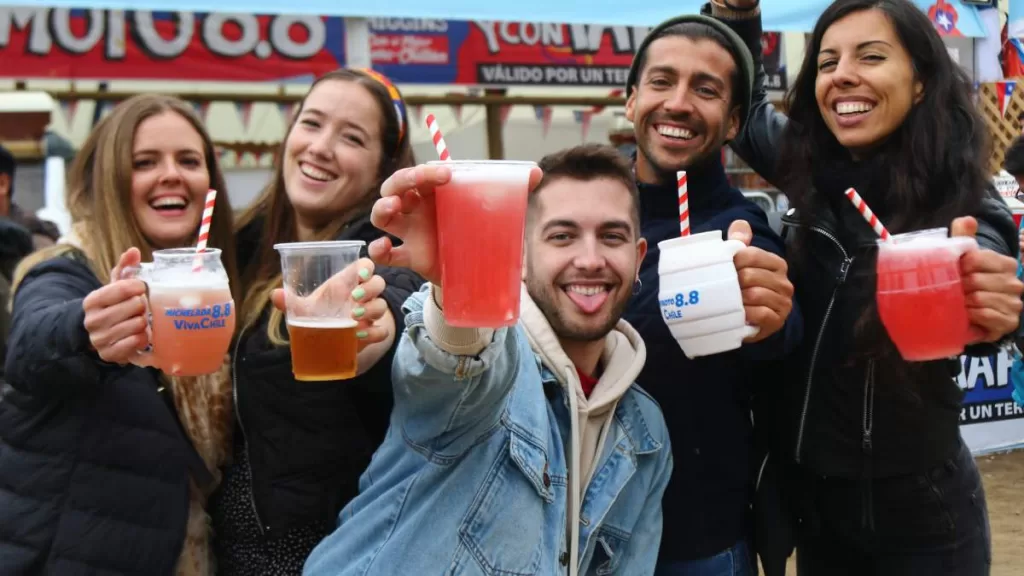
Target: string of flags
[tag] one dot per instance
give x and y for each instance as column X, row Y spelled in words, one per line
column 244, row 110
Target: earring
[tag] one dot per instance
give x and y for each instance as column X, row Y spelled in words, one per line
column 638, row 286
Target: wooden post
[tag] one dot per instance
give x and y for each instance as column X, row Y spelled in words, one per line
column 495, row 130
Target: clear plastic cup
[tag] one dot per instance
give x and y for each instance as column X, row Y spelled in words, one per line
column 318, row 282
column 481, row 217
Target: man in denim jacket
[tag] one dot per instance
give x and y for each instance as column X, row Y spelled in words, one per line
column 519, row 450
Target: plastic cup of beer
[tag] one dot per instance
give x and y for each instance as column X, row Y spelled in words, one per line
column 481, row 217
column 192, row 313
column 318, row 282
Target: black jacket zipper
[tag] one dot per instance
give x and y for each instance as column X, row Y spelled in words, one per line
column 844, row 269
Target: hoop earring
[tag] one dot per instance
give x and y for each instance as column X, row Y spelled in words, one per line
column 638, row 286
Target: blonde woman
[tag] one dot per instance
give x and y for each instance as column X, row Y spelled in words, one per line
column 105, row 466
column 300, row 447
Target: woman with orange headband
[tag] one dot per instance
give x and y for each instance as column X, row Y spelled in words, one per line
column 300, row 447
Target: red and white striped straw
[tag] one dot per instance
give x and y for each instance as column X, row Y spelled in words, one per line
column 204, row 230
column 684, row 204
column 435, row 135
column 868, row 215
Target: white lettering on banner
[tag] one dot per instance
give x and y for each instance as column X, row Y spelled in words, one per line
column 583, row 38
column 975, row 369
column 562, row 75
column 49, row 26
column 406, row 49
column 408, row 25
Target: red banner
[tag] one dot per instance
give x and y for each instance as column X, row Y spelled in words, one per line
column 113, row 45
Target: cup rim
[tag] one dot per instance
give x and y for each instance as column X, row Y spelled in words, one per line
column 464, row 163
column 319, row 245
column 896, row 239
column 186, row 251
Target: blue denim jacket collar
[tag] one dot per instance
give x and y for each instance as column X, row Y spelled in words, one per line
column 628, row 415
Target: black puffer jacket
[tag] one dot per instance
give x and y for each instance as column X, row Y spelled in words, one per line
column 303, row 444
column 93, row 464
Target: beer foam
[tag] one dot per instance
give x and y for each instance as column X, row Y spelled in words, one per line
column 178, row 280
column 321, row 323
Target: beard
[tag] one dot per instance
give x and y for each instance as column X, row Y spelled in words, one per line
column 568, row 324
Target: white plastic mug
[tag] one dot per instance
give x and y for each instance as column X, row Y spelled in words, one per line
column 699, row 294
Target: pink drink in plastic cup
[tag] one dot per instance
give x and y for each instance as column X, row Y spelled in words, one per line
column 481, row 216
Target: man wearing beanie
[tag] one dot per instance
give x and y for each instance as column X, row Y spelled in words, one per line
column 688, row 94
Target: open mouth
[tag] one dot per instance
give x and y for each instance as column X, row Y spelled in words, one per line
column 853, row 109
column 316, row 173
column 170, row 205
column 588, row 297
column 675, row 132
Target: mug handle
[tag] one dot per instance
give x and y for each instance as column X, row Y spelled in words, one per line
column 734, row 246
column 139, row 273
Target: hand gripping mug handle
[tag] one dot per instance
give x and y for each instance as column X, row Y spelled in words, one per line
column 732, row 247
column 140, row 272
column 963, row 245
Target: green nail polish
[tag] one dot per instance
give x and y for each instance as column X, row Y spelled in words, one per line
column 358, row 312
column 364, row 273
column 362, row 334
column 358, row 293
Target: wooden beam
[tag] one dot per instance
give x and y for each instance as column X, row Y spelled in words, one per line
column 495, row 130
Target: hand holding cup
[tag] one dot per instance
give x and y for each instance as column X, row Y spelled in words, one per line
column 115, row 315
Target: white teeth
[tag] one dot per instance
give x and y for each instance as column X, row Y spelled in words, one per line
column 586, row 290
column 169, row 202
column 316, row 173
column 853, row 107
column 674, row 132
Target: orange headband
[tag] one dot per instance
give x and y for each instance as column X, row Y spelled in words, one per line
column 396, row 98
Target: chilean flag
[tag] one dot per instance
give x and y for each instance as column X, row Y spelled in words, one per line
column 1004, row 91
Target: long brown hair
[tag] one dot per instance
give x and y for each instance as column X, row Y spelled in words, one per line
column 99, row 188
column 273, row 209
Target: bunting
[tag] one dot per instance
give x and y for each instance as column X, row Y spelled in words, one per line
column 543, row 114
column 201, row 108
column 1004, row 93
column 69, row 108
column 244, row 110
column 286, row 110
column 583, row 118
column 503, row 113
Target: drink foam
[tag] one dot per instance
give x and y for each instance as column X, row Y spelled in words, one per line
column 322, row 323
column 175, row 280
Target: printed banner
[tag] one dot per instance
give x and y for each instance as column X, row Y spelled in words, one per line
column 990, row 419
column 197, row 46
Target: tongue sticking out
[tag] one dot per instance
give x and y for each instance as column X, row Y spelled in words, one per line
column 588, row 303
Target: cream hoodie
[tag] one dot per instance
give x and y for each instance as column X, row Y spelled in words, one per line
column 590, row 418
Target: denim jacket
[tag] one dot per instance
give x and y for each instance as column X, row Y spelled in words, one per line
column 473, row 477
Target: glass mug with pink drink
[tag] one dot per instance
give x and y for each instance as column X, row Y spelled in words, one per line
column 192, row 313
column 481, row 218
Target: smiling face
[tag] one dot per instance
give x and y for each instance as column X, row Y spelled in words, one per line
column 583, row 257
column 866, row 85
column 170, row 179
column 682, row 108
column 333, row 151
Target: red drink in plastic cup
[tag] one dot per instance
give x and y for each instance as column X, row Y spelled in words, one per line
column 481, row 217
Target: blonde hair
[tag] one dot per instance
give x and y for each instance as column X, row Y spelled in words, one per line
column 99, row 188
column 272, row 207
